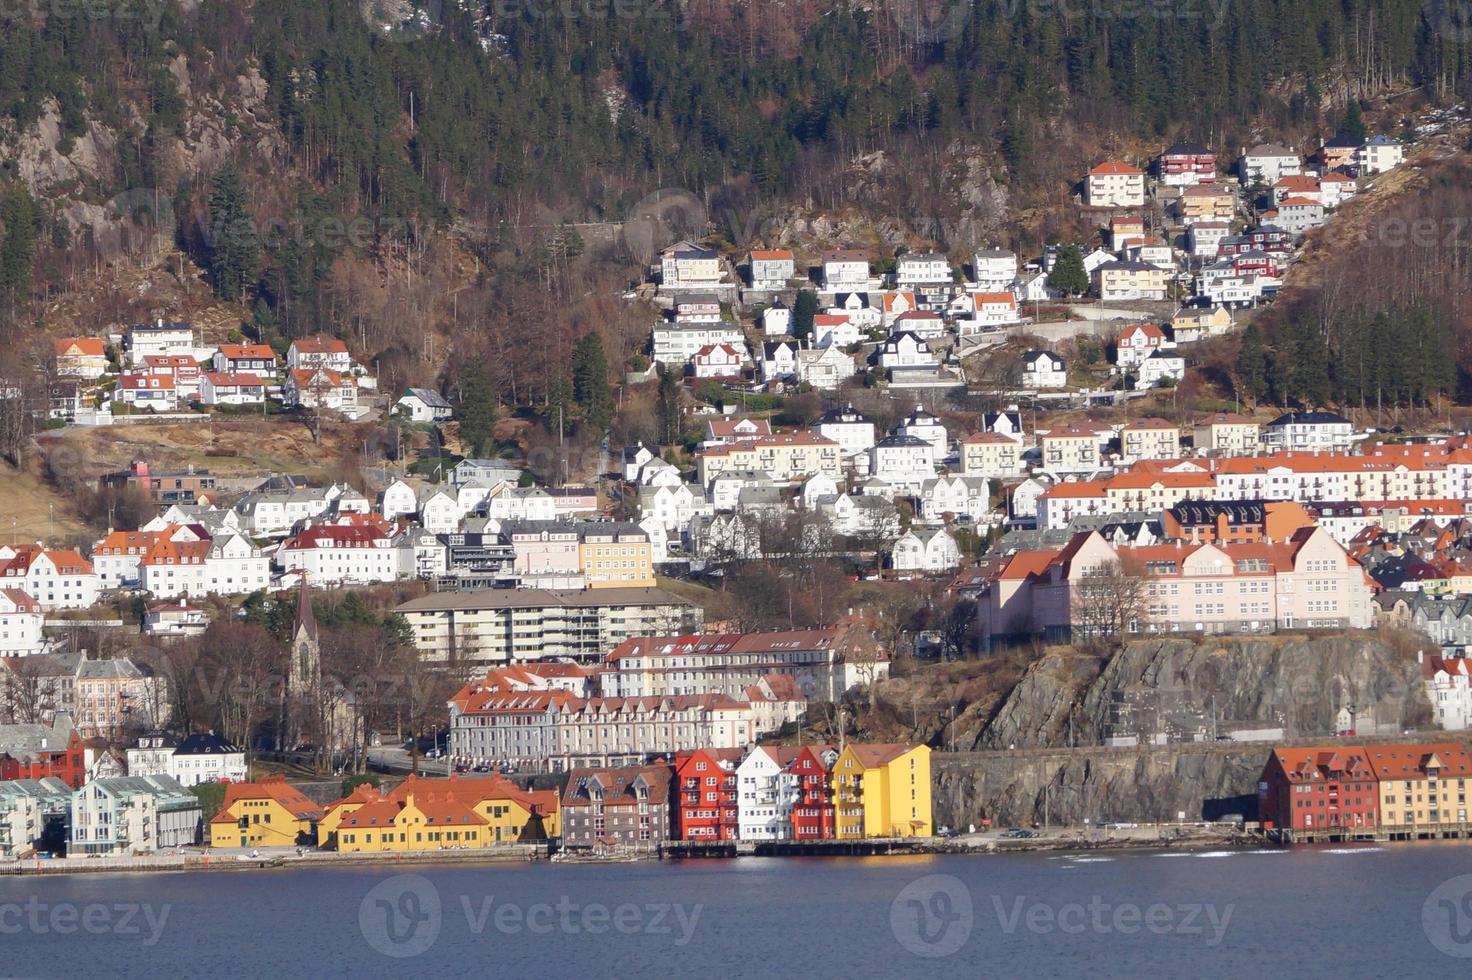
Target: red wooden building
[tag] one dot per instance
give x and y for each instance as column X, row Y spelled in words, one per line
column 706, row 804
column 812, row 811
column 1187, row 163
column 1317, row 788
column 38, row 751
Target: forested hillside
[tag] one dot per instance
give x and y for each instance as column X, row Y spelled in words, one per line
column 451, row 147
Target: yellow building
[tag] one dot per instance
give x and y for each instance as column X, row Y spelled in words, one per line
column 1228, row 434
column 991, row 455
column 266, row 813
column 423, row 814
column 1421, row 786
column 787, row 457
column 616, row 556
column 882, row 791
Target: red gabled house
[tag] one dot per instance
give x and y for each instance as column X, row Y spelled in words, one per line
column 1318, row 789
column 37, row 751
column 706, row 806
column 813, row 816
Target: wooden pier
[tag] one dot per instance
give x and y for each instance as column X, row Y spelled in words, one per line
column 855, row 847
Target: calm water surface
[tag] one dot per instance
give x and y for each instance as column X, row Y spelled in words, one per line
column 1396, row 911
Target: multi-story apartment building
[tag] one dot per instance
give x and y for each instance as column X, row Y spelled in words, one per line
column 767, row 789
column 882, row 791
column 358, row 553
column 504, row 626
column 126, row 815
column 56, row 579
column 627, row 807
column 1312, row 788
column 1149, row 438
column 787, row 457
column 21, row 621
column 1421, row 787
column 706, row 806
column 1307, row 581
column 991, row 455
column 1115, row 185
column 1226, row 434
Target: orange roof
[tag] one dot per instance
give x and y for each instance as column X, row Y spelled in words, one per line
column 80, row 347
column 1150, row 423
column 1007, row 298
column 1150, row 330
column 121, row 542
column 225, row 379
column 252, row 351
column 1077, row 488
column 1110, row 167
column 166, row 552
column 877, row 754
column 269, row 788
column 829, row 319
column 1299, row 202
column 303, row 376
column 1410, row 761
column 771, row 254
column 319, row 345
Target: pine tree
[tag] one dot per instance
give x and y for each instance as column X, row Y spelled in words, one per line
column 18, row 214
column 1353, row 126
column 477, row 412
column 590, row 381
column 671, row 425
column 234, row 249
column 1069, row 276
column 804, row 308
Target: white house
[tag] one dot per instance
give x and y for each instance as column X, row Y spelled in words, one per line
column 905, row 349
column 1336, row 188
column 925, row 324
column 204, row 757
column 635, row 458
column 925, row 550
column 824, row 368
column 835, row 330
column 674, row 507
column 777, row 320
column 216, row 388
column 922, row 269
column 488, row 470
column 424, row 405
column 993, row 269
column 1137, row 342
column 968, row 496
column 870, row 514
column 130, row 814
column 1160, row 368
column 257, row 359
column 1043, row 369
column 1378, row 154
column 21, row 621
column 853, row 432
column 687, row 266
column 320, row 388
column 766, row 791
column 675, row 343
column 1308, row 432
column 155, row 392
column 1115, row 185
column 1449, row 690
column 1299, row 214
column 396, row 500
column 817, row 489
column 718, row 361
column 845, row 268
column 1204, row 238
column 770, row 268
column 1268, row 163
column 311, row 353
column 159, row 337
column 333, row 554
column 438, row 511
column 920, row 424
column 903, row 461
column 54, row 578
column 779, row 361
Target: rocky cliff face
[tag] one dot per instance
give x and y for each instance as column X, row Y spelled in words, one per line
column 1184, row 689
column 1178, row 687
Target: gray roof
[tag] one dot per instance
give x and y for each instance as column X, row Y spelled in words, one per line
column 429, row 396
column 206, row 743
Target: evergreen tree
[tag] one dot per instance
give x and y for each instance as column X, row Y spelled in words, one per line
column 804, row 308
column 559, row 398
column 590, row 381
column 1068, row 275
column 18, row 215
column 234, row 250
column 671, row 424
column 1353, row 126
column 477, row 412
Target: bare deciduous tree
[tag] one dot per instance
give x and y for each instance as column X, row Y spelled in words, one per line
column 1109, row 600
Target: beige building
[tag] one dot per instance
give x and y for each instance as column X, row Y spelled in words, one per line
column 1197, row 323
column 615, row 555
column 500, row 626
column 990, row 455
column 1150, row 438
column 1070, row 449
column 1421, row 786
column 1129, row 280
column 787, row 457
column 1226, row 434
column 1308, row 581
column 1205, row 202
